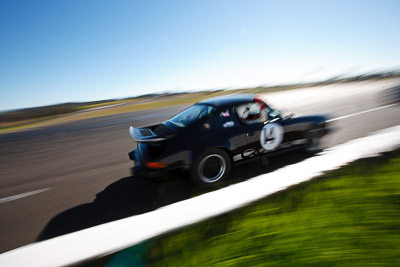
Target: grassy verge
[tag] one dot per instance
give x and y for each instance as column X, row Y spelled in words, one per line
column 349, row 217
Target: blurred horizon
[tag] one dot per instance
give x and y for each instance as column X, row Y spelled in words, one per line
column 72, row 51
column 342, row 78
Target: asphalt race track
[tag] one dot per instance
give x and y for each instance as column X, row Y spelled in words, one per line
column 71, row 176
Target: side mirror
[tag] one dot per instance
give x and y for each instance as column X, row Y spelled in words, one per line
column 288, row 117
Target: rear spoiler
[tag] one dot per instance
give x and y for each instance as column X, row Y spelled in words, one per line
column 144, row 135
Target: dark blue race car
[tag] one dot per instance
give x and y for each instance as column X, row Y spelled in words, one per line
column 211, row 136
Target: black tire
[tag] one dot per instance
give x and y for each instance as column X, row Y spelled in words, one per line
column 211, row 167
column 313, row 142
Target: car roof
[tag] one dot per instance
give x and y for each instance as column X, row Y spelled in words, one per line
column 228, row 100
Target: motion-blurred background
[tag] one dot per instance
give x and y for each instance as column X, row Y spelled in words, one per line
column 74, row 75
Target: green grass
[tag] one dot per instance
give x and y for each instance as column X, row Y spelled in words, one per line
column 349, row 217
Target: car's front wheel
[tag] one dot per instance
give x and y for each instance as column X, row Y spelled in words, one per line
column 211, row 167
column 314, row 142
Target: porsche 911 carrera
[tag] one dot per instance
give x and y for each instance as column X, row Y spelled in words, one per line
column 212, row 136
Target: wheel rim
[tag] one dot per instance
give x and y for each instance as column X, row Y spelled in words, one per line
column 212, row 168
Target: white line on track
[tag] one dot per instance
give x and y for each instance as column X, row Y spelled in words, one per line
column 7, row 199
column 361, row 112
column 114, row 236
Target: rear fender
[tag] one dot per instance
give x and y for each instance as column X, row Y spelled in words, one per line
column 195, row 153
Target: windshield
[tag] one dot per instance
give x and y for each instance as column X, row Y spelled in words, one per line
column 191, row 114
column 273, row 114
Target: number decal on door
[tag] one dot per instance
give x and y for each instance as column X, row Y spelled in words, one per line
column 271, row 136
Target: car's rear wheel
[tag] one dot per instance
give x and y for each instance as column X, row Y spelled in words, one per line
column 211, row 167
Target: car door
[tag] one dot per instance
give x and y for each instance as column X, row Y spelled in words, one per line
column 261, row 126
column 223, row 130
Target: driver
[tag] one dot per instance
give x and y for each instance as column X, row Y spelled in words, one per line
column 249, row 113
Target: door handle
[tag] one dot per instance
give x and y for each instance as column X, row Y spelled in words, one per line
column 250, row 134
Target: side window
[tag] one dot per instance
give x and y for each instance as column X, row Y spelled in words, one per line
column 251, row 113
column 222, row 119
column 273, row 114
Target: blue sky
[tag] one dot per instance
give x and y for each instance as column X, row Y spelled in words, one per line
column 55, row 51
